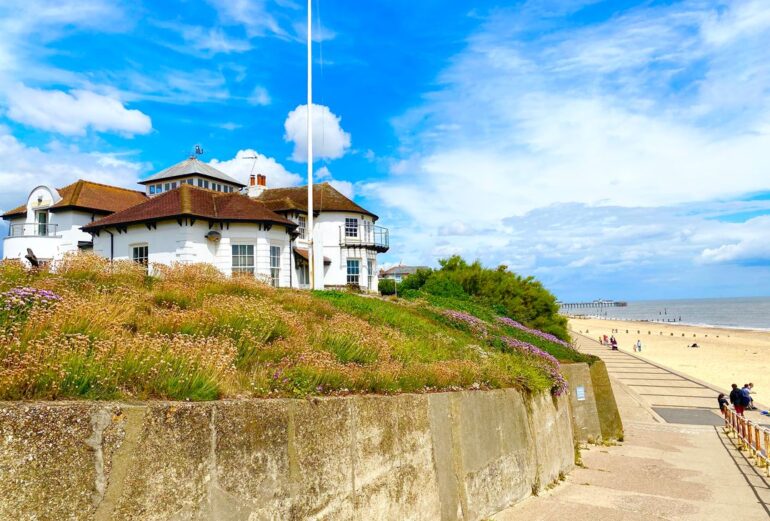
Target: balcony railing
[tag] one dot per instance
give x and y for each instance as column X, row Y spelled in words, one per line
column 32, row 230
column 365, row 235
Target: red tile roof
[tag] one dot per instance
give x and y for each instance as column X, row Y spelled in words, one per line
column 325, row 198
column 87, row 195
column 190, row 201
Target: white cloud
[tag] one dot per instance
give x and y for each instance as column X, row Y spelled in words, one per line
column 330, row 141
column 259, row 96
column 74, row 112
column 244, row 164
column 253, row 15
column 24, row 167
column 203, row 41
column 344, row 187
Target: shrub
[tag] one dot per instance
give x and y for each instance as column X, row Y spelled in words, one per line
column 386, row 286
column 416, row 280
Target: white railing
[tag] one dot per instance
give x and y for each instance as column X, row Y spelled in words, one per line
column 32, row 230
column 365, row 235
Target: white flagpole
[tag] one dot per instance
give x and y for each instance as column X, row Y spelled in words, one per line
column 311, row 256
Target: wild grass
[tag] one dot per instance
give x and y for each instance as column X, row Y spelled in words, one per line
column 189, row 333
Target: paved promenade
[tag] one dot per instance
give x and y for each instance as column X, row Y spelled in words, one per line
column 675, row 463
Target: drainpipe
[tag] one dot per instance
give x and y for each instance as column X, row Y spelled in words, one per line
column 112, row 244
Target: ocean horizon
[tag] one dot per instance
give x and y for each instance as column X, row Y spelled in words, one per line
column 737, row 313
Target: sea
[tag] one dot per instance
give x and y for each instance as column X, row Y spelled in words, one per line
column 742, row 313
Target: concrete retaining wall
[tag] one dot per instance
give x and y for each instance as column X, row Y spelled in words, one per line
column 595, row 415
column 442, row 456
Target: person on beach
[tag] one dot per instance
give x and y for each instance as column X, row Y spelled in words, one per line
column 736, row 398
column 723, row 403
column 606, row 342
column 613, row 343
column 638, row 346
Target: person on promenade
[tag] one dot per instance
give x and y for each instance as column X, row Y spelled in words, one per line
column 613, row 343
column 638, row 346
column 751, row 391
column 736, row 398
column 723, row 403
column 748, row 401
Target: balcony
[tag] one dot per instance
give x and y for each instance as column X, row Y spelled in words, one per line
column 32, row 230
column 365, row 235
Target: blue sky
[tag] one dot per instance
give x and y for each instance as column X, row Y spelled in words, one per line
column 611, row 149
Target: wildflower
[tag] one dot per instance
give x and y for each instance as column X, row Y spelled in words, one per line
column 545, row 336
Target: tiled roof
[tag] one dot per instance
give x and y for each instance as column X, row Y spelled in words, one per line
column 191, row 166
column 87, row 195
column 190, row 201
column 325, row 198
column 404, row 270
column 304, row 254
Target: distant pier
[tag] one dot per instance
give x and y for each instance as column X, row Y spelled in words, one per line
column 567, row 306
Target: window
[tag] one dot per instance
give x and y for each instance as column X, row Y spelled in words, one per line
column 354, row 270
column 140, row 254
column 190, row 181
column 369, row 273
column 205, row 183
column 302, row 222
column 167, row 187
column 152, row 189
column 303, row 274
column 158, row 188
column 275, row 265
column 42, row 223
column 351, row 227
column 173, row 185
column 243, row 258
column 200, row 183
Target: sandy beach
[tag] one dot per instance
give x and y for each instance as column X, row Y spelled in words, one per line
column 725, row 356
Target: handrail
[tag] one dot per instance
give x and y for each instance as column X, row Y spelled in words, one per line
column 365, row 235
column 32, row 230
column 751, row 437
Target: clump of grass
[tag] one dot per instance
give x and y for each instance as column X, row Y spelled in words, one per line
column 188, row 332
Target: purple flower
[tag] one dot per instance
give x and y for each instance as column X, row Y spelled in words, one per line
column 545, row 336
column 476, row 324
column 23, row 298
column 551, row 363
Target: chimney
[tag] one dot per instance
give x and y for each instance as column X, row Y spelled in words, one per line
column 257, row 185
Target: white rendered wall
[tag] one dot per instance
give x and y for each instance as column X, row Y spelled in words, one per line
column 170, row 242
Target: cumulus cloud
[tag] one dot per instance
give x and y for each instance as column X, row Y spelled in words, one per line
column 74, row 112
column 330, row 141
column 24, row 167
column 250, row 161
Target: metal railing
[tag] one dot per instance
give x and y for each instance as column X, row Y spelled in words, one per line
column 32, row 230
column 365, row 235
column 751, row 437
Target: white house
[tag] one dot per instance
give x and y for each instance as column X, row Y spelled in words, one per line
column 400, row 272
column 50, row 222
column 192, row 212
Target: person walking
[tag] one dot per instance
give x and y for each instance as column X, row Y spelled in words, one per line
column 736, row 398
column 638, row 346
column 723, row 403
column 613, row 343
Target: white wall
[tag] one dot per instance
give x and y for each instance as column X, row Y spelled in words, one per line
column 170, row 242
column 53, row 247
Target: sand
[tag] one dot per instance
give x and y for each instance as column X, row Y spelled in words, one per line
column 725, row 356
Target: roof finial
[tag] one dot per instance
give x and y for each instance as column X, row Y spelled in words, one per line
column 197, row 151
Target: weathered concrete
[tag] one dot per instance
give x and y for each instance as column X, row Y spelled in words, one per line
column 607, row 408
column 585, row 418
column 449, row 456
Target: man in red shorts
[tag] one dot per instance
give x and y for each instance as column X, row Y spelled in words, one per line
column 736, row 398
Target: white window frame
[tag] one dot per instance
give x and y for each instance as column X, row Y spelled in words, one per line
column 302, row 222
column 143, row 260
column 303, row 274
column 370, row 273
column 243, row 267
column 357, row 274
column 275, row 267
column 351, row 227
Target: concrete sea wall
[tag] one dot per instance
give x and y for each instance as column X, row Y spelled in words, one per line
column 595, row 415
column 447, row 456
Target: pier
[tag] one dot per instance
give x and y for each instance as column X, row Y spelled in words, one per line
column 593, row 304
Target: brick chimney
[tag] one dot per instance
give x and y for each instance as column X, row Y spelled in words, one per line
column 257, row 185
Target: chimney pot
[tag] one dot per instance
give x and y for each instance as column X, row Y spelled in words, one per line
column 261, row 180
column 252, row 180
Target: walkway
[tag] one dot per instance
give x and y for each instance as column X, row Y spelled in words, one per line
column 684, row 470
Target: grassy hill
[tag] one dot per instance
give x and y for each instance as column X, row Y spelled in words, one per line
column 97, row 330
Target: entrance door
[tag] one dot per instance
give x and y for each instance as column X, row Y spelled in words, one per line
column 42, row 223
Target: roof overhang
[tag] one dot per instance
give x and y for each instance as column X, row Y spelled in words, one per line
column 191, row 174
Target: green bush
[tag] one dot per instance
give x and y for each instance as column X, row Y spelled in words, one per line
column 386, row 286
column 440, row 284
column 416, row 280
